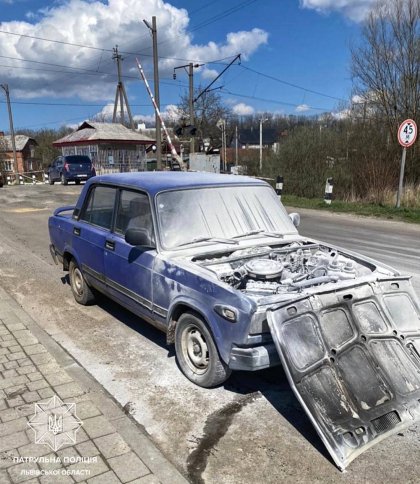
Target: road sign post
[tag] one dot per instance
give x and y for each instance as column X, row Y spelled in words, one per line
column 407, row 135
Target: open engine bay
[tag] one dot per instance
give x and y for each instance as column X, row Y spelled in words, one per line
column 266, row 270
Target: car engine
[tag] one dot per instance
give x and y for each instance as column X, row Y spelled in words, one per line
column 266, row 270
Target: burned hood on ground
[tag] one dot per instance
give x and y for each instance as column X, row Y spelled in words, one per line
column 352, row 357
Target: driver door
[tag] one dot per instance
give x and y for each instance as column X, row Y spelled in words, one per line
column 129, row 269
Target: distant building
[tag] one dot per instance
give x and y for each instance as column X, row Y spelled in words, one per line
column 25, row 154
column 107, row 144
column 250, row 138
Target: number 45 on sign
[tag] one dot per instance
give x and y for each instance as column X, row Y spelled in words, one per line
column 407, row 133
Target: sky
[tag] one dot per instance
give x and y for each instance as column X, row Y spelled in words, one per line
column 56, row 56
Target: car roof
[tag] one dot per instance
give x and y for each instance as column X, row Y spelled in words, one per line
column 154, row 182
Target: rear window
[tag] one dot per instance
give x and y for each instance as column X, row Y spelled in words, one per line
column 79, row 160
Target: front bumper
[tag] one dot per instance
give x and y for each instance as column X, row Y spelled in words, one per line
column 254, row 358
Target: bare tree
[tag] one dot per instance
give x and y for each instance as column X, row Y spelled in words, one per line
column 386, row 65
column 208, row 109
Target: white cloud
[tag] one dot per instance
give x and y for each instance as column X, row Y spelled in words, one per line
column 242, row 109
column 356, row 10
column 169, row 113
column 343, row 114
column 302, row 108
column 209, row 74
column 357, row 99
column 104, row 24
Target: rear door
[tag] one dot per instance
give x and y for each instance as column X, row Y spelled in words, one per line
column 352, row 358
column 129, row 269
column 91, row 231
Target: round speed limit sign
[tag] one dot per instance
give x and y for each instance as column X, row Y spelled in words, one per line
column 407, row 133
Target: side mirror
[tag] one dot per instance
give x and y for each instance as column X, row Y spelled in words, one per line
column 295, row 218
column 139, row 237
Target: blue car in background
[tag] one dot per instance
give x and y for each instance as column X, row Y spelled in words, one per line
column 217, row 263
column 71, row 168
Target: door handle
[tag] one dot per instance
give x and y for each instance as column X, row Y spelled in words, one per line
column 110, row 244
column 76, row 230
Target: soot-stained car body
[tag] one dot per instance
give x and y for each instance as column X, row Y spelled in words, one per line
column 216, row 262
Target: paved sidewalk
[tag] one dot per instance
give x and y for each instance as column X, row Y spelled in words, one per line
column 109, row 447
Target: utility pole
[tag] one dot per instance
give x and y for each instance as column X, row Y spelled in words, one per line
column 221, row 124
column 225, row 152
column 153, row 30
column 261, row 123
column 236, row 145
column 175, row 157
column 120, row 93
column 5, row 88
column 190, row 72
column 191, row 102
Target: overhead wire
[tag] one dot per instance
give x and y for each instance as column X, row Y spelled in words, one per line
column 287, row 83
column 271, row 101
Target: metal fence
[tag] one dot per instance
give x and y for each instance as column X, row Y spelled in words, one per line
column 26, row 178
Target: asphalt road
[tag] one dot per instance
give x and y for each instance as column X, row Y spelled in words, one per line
column 250, row 430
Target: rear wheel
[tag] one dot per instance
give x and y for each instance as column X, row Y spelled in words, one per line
column 63, row 180
column 197, row 354
column 77, row 182
column 80, row 289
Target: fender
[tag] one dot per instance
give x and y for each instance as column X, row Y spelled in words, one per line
column 199, row 308
column 68, row 249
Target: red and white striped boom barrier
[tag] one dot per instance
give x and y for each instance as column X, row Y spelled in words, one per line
column 175, row 155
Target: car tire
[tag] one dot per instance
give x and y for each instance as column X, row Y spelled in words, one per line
column 63, row 180
column 50, row 180
column 81, row 291
column 197, row 354
column 77, row 182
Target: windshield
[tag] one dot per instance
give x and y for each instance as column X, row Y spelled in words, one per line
column 186, row 216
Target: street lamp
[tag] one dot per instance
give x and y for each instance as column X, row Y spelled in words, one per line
column 262, row 120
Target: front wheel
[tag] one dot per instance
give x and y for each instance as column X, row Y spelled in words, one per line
column 63, row 180
column 81, row 291
column 197, row 354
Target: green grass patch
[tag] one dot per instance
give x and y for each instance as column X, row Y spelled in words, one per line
column 358, row 208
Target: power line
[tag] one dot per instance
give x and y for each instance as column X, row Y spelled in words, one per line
column 51, row 122
column 98, row 48
column 272, row 101
column 268, row 76
column 98, row 73
column 36, row 103
column 223, row 14
column 208, row 4
column 209, row 21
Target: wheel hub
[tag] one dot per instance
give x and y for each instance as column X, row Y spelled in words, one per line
column 195, row 349
column 78, row 281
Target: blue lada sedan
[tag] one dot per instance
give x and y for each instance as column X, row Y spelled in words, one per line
column 216, row 263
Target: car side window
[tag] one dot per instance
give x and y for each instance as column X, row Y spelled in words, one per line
column 134, row 213
column 100, row 207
